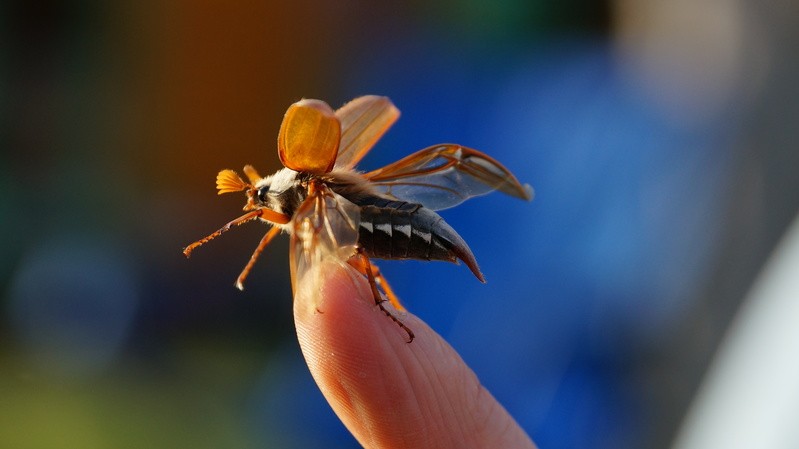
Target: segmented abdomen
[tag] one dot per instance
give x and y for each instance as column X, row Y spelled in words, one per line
column 401, row 230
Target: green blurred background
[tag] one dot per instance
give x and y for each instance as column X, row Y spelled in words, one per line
column 660, row 138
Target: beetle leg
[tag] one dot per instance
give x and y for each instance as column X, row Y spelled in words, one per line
column 266, row 214
column 383, row 283
column 237, row 222
column 365, row 267
column 360, row 264
column 264, row 241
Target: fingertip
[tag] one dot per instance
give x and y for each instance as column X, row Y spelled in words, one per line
column 356, row 354
column 334, row 310
column 388, row 392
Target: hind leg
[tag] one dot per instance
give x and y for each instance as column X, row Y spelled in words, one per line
column 364, row 266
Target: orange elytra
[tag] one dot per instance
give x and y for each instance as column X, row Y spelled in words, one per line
column 309, row 137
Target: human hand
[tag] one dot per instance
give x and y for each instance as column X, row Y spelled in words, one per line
column 388, row 393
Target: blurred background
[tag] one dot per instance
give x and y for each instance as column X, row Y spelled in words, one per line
column 660, row 138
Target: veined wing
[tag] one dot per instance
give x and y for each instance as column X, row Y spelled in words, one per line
column 324, row 226
column 446, row 175
column 363, row 120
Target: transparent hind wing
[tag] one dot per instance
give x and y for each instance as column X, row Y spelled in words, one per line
column 325, row 227
column 445, row 175
column 363, row 120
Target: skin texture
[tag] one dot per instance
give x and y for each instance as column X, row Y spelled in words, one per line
column 391, row 394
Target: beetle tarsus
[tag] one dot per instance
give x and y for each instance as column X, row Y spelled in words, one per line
column 379, row 300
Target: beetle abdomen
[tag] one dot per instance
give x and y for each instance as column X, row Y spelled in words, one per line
column 401, row 230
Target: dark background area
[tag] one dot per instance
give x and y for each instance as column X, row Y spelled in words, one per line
column 660, row 139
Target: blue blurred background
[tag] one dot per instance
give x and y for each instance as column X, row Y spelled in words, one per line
column 660, row 138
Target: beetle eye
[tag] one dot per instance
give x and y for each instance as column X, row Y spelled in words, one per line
column 262, row 193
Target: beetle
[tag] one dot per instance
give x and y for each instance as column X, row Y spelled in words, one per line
column 332, row 210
